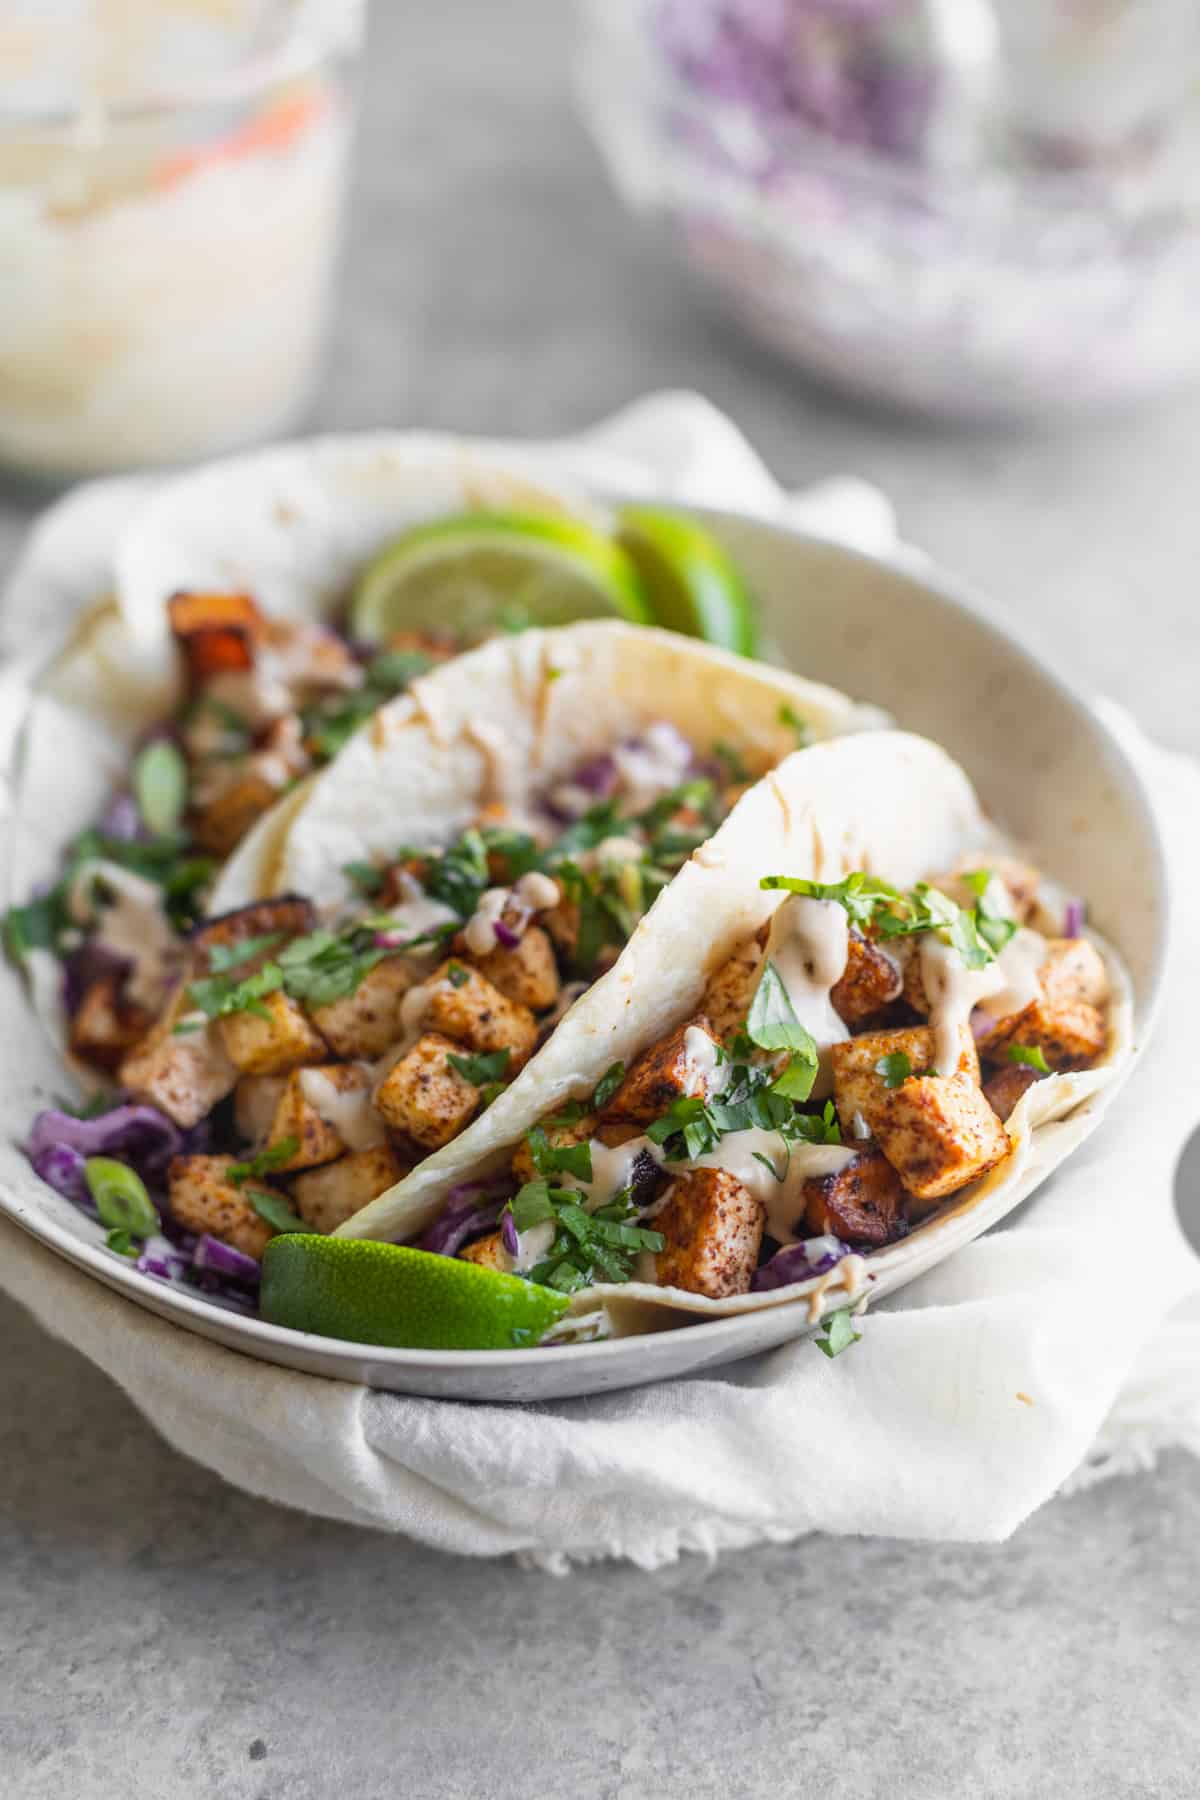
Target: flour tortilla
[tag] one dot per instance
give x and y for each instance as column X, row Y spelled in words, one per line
column 887, row 802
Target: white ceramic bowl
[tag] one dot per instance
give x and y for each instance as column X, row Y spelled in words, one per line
column 1046, row 768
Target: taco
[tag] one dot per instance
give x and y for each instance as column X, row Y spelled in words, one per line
column 853, row 1009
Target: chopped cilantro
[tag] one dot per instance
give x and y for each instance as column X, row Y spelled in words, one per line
column 587, row 1247
column 219, row 995
column 732, row 763
column 223, row 957
column 559, row 1159
column 321, row 967
column 484, row 1070
column 274, row 1210
column 607, row 1086
column 365, row 877
column 772, row 1023
column 894, row 1070
column 839, row 1333
column 1031, row 1055
column 273, row 1157
column 457, row 975
column 803, row 730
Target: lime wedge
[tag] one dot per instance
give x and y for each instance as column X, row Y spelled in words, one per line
column 370, row 1293
column 692, row 585
column 480, row 572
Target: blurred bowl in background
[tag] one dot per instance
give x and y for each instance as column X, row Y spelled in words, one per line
column 860, row 182
column 171, row 179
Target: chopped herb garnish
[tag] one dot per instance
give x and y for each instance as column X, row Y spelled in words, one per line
column 978, row 934
column 365, row 877
column 803, row 730
column 484, row 1070
column 321, row 967
column 772, row 1025
column 607, row 1086
column 587, row 1246
column 894, row 1070
column 458, row 876
column 559, row 1159
column 273, row 1157
column 732, row 763
column 1031, row 1055
column 274, row 1210
column 839, row 1333
column 217, row 996
column 457, row 975
column 223, row 957
column 329, row 723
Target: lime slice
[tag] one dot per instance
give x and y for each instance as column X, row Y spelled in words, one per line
column 481, row 572
column 372, row 1293
column 692, row 585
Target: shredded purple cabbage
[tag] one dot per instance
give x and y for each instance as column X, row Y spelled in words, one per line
column 222, row 1259
column 797, row 1263
column 471, row 1208
column 138, row 1135
column 61, row 1167
column 90, row 963
column 597, row 776
column 1073, row 919
column 509, row 1234
column 121, row 819
column 506, row 937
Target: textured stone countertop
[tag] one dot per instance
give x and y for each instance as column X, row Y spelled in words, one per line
column 163, row 1636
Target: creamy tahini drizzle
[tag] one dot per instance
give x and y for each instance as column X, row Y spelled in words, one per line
column 133, row 925
column 1002, row 987
column 348, row 1110
column 808, row 945
column 534, row 891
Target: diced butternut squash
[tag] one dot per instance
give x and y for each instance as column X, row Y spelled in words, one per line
column 203, row 1199
column 1067, row 1023
column 937, row 1131
column 424, row 1096
column 872, row 980
column 217, row 633
column 463, row 1004
column 713, row 1227
column 325, row 1198
column 307, row 1114
column 185, row 1075
column 367, row 1022
column 285, row 1039
column 861, row 1204
column 527, row 974
column 682, row 1064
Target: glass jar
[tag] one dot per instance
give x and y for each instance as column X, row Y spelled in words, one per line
column 171, row 179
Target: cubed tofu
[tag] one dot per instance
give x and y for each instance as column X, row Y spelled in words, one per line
column 254, row 1102
column 1009, row 1085
column 872, row 980
column 679, row 1065
column 1067, row 1023
column 286, row 918
column 286, row 1039
column 463, row 1004
column 488, row 1253
column 221, row 824
column 184, row 1075
column 325, row 1198
column 861, row 1204
column 730, row 991
column 424, row 1096
column 937, row 1131
column 367, row 1022
column 203, row 1199
column 527, row 974
column 713, row 1230
column 105, row 1027
column 317, row 1105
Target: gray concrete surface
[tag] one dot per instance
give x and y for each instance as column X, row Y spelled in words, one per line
column 163, row 1636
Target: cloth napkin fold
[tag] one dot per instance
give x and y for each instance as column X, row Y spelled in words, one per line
column 1055, row 1349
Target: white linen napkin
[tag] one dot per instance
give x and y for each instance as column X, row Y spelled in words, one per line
column 1046, row 1352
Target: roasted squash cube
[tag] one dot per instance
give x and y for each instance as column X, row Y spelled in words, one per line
column 285, row 1039
column 1067, row 1022
column 461, row 1003
column 713, row 1227
column 203, row 1199
column 325, row 1198
column 424, row 1096
column 861, row 1204
column 683, row 1064
column 216, row 632
column 367, row 1022
column 527, row 974
column 872, row 980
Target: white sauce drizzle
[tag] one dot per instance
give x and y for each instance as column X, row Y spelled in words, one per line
column 538, row 891
column 619, row 849
column 533, row 1245
column 1004, row 986
column 479, row 932
column 133, row 925
column 703, row 1070
column 738, row 1153
column 348, row 1110
column 808, row 944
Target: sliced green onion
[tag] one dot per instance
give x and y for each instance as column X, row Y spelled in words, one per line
column 120, row 1196
column 160, row 786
